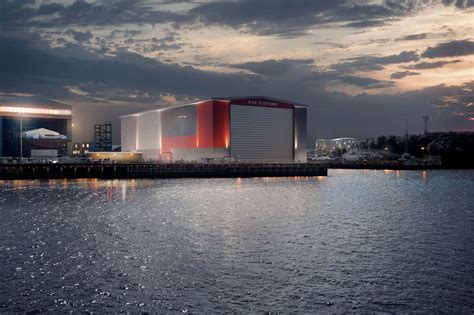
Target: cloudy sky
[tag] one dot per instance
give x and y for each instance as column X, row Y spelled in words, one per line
column 362, row 66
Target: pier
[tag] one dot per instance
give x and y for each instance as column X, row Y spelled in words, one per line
column 156, row 170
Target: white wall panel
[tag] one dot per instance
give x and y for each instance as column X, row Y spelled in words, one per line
column 128, row 133
column 149, row 131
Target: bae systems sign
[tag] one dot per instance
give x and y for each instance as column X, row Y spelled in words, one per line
column 261, row 102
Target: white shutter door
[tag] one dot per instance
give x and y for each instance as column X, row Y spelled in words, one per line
column 261, row 133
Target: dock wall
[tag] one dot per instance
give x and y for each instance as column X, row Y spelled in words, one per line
column 153, row 170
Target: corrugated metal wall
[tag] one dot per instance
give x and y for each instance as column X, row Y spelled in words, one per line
column 149, row 131
column 128, row 133
column 261, row 133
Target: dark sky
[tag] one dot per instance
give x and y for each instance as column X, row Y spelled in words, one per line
column 362, row 66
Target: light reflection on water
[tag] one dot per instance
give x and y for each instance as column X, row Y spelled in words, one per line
column 367, row 240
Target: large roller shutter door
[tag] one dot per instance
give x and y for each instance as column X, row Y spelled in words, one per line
column 261, row 133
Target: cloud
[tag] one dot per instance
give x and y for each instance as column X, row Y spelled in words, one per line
column 431, row 65
column 35, row 68
column 365, row 24
column 402, row 74
column 79, row 36
column 168, row 42
column 293, row 18
column 303, row 71
column 25, row 66
column 412, row 37
column 366, row 83
column 460, row 4
column 263, row 17
column 25, row 13
column 273, row 67
column 453, row 48
column 372, row 63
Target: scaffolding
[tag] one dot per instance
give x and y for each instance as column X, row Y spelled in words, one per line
column 103, row 137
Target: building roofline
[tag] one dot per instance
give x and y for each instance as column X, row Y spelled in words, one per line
column 227, row 98
column 162, row 108
column 343, row 138
column 31, row 101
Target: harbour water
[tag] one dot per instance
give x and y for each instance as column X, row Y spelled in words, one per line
column 355, row 241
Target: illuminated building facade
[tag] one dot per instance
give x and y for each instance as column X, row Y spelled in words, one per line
column 344, row 143
column 242, row 128
column 22, row 114
column 324, row 147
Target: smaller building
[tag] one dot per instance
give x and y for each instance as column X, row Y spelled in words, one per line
column 324, row 147
column 81, row 148
column 344, row 143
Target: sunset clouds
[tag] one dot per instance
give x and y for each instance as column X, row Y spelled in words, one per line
column 396, row 58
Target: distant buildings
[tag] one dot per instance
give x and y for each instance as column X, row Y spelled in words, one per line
column 323, row 147
column 344, row 143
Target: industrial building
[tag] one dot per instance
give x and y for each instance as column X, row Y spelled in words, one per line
column 34, row 127
column 257, row 129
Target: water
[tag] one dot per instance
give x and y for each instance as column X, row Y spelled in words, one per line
column 362, row 241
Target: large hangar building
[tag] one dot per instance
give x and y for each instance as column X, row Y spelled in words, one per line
column 251, row 129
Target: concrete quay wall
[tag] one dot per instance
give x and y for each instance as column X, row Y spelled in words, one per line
column 153, row 170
